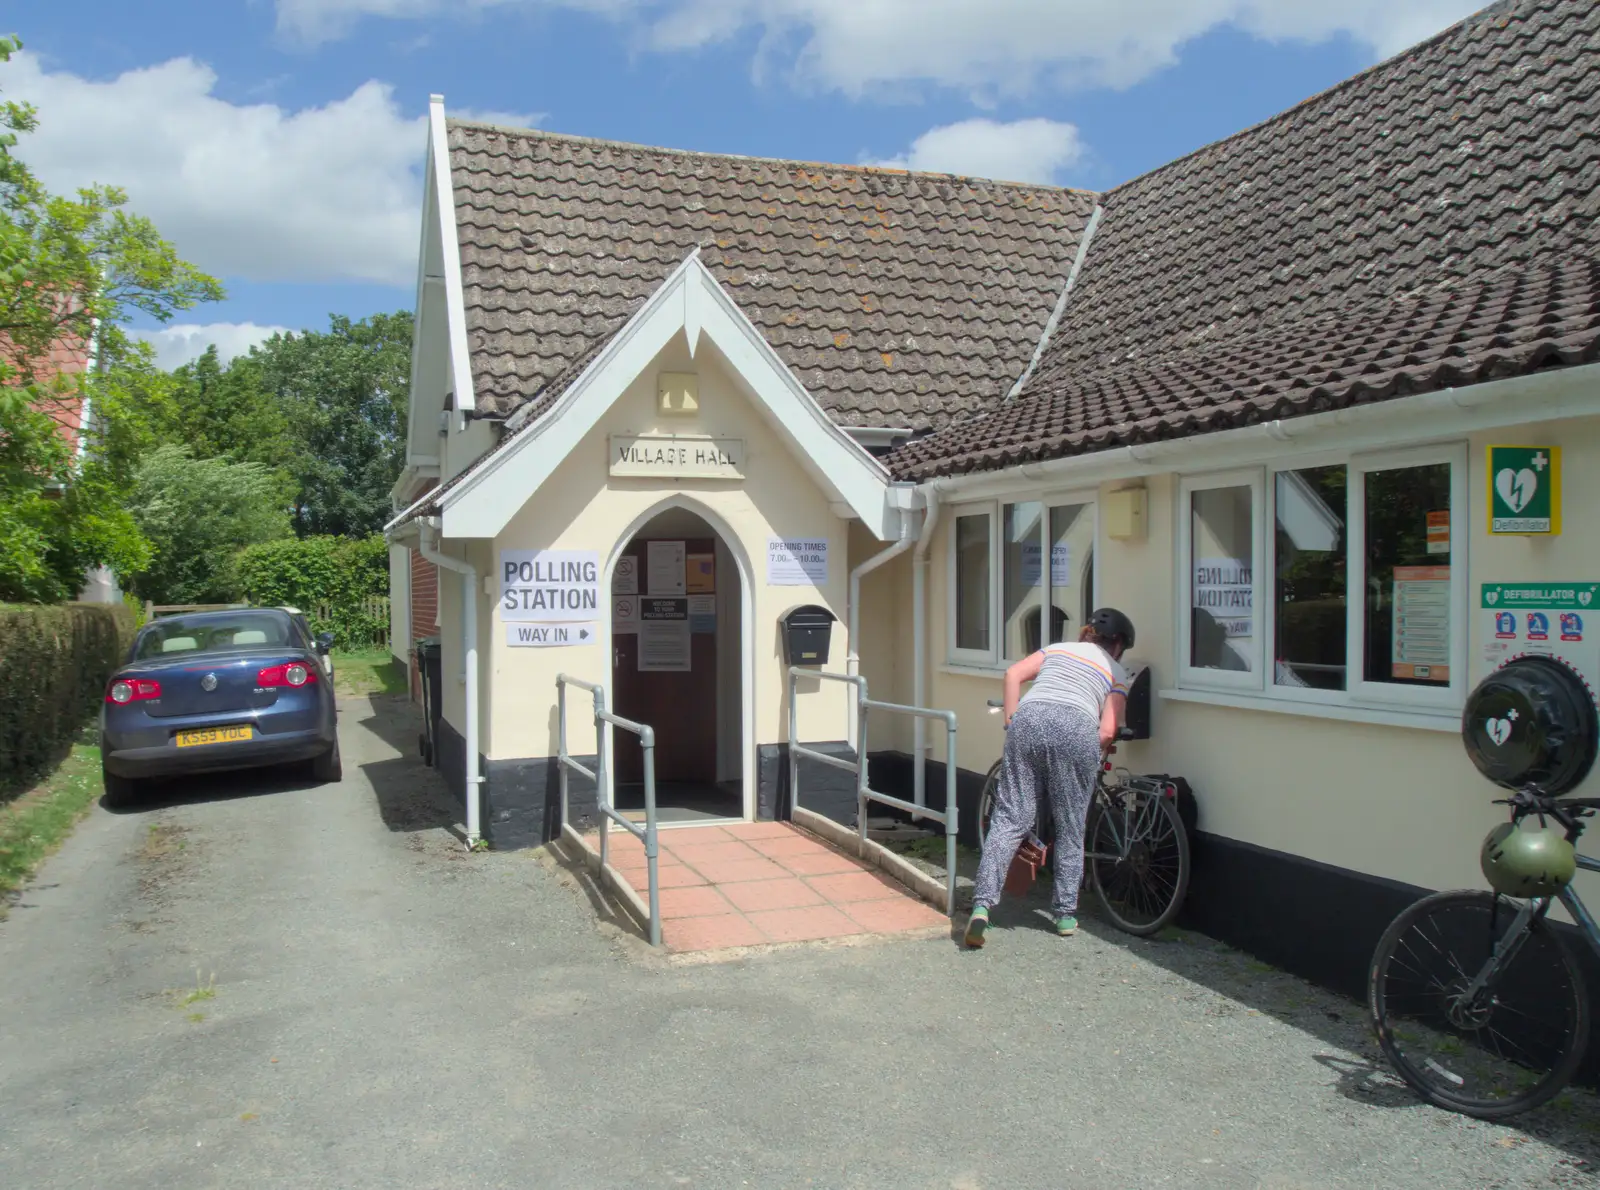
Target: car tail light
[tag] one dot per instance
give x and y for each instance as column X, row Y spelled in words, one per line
column 126, row 690
column 294, row 674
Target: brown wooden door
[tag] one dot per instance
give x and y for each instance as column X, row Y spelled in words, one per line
column 681, row 705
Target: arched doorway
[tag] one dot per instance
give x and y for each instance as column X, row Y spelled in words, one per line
column 679, row 662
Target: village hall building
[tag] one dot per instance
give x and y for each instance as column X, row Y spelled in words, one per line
column 1316, row 405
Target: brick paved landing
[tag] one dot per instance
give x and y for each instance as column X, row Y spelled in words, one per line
column 759, row 882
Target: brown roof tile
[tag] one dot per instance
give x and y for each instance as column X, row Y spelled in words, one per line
column 896, row 298
column 1520, row 320
column 1424, row 177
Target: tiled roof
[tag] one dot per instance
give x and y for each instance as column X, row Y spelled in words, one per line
column 896, row 298
column 1522, row 319
column 1415, row 183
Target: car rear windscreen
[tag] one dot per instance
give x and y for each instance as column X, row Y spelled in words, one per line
column 176, row 637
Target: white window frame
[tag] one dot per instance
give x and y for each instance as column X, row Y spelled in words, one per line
column 993, row 658
column 1358, row 693
column 986, row 658
column 1199, row 677
column 1387, row 694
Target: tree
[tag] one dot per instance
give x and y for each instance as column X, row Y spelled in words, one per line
column 196, row 514
column 344, row 395
column 71, row 271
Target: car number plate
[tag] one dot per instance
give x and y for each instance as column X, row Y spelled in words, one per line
column 213, row 735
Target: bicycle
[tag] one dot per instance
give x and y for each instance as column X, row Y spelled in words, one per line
column 1501, row 1022
column 1136, row 850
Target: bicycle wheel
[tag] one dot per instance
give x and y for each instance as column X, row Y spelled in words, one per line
column 986, row 803
column 1507, row 1049
column 1137, row 854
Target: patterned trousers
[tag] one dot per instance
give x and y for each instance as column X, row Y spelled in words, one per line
column 1053, row 751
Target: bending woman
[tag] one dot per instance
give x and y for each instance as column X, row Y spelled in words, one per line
column 1058, row 736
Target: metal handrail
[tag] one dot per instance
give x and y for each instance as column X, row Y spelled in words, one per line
column 604, row 720
column 864, row 791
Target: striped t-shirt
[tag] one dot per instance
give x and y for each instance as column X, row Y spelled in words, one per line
column 1078, row 674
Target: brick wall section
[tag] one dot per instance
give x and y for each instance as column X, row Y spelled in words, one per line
column 424, row 610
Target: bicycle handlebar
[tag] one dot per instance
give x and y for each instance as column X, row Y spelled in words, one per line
column 1567, row 811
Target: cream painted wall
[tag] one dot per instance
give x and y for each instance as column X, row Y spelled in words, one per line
column 465, row 445
column 1397, row 802
column 886, row 638
column 581, row 507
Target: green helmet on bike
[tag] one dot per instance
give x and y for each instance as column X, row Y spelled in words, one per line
column 1527, row 862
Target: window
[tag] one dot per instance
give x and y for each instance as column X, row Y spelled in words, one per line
column 1001, row 586
column 1358, row 590
column 1308, row 578
column 972, row 534
column 1221, row 635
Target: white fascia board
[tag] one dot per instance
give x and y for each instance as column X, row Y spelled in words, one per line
column 483, row 503
column 1441, row 416
column 688, row 300
column 450, row 245
column 419, row 335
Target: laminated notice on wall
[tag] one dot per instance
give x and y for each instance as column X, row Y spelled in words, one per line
column 664, row 568
column 1420, row 637
column 797, row 562
column 663, row 646
column 539, row 586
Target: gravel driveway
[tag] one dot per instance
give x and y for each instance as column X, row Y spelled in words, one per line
column 390, row 1011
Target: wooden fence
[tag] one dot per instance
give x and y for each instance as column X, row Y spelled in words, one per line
column 374, row 608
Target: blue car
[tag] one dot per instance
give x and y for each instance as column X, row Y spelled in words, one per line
column 213, row 691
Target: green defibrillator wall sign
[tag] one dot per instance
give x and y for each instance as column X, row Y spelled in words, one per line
column 1525, row 490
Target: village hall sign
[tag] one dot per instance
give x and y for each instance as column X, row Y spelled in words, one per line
column 676, row 456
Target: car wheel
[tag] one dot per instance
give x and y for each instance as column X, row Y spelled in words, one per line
column 120, row 791
column 328, row 767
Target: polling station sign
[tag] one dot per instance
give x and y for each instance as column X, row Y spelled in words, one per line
column 549, row 586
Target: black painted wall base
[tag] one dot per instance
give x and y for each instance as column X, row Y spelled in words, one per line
column 521, row 799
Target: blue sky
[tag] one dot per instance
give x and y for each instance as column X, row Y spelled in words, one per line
column 279, row 143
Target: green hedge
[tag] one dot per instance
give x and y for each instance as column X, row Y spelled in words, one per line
column 332, row 579
column 54, row 663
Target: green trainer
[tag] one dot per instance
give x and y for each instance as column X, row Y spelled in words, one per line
column 1066, row 926
column 976, row 925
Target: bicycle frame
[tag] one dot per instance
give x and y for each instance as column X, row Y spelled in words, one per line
column 1517, row 934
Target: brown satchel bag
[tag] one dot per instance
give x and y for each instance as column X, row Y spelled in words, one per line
column 1025, row 865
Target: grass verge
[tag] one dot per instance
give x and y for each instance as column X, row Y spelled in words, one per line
column 359, row 672
column 33, row 824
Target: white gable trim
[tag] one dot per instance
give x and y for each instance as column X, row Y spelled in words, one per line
column 689, row 301
column 455, row 302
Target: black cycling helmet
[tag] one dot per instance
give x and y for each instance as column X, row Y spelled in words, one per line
column 1109, row 624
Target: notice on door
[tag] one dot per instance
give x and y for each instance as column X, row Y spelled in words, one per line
column 664, row 568
column 797, row 562
column 540, row 586
column 546, row 636
column 663, row 646
column 624, row 613
column 702, row 573
column 1420, row 638
column 625, row 579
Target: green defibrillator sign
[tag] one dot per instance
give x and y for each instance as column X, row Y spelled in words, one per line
column 1524, row 489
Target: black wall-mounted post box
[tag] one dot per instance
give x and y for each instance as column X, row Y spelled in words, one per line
column 806, row 633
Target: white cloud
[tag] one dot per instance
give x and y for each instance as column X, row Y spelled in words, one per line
column 986, row 47
column 177, row 345
column 1023, row 151
column 327, row 193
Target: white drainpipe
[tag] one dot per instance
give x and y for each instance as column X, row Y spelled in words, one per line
column 852, row 663
column 919, row 647
column 469, row 633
